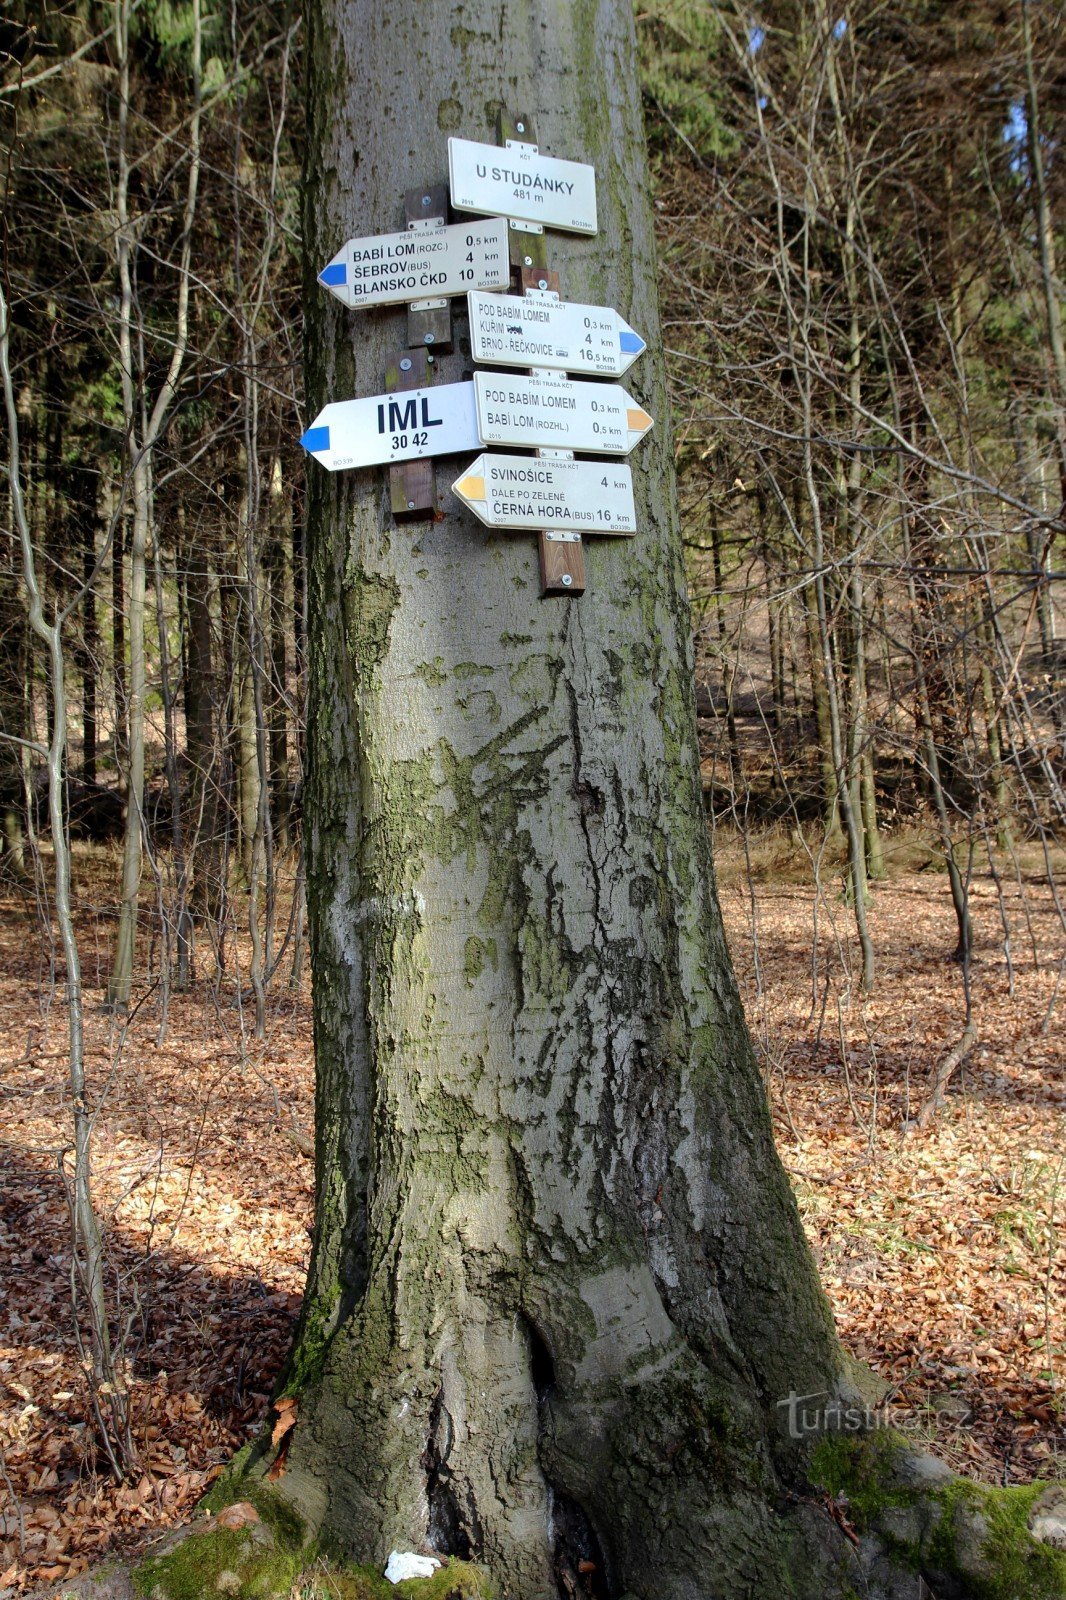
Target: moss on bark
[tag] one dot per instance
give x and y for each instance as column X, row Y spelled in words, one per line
column 972, row 1536
column 455, row 1580
column 274, row 1558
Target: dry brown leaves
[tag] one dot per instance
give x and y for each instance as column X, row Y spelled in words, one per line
column 941, row 1251
column 934, row 1248
column 207, row 1201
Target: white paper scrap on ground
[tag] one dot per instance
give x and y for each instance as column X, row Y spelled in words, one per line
column 406, row 1564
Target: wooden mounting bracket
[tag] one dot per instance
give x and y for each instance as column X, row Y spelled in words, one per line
column 412, row 486
column 429, row 321
column 562, row 563
column 528, row 246
column 538, row 279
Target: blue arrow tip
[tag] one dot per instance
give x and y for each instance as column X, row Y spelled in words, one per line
column 316, row 439
column 632, row 343
column 334, row 275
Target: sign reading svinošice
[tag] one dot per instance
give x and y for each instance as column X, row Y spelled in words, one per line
column 557, row 414
column 569, row 496
column 517, row 181
column 422, row 264
column 403, row 426
column 541, row 331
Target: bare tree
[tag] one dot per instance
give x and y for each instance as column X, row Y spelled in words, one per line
column 145, row 420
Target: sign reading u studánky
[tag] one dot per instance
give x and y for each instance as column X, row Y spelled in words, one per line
column 517, row 181
column 422, row 264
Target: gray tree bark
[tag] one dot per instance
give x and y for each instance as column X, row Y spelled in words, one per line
column 559, row 1283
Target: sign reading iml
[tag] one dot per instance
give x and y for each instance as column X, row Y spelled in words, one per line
column 385, row 428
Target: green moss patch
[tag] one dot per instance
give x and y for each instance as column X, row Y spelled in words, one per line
column 1019, row 1566
column 861, row 1469
column 256, row 1562
column 455, row 1580
column 973, row 1532
column 225, row 1562
column 283, row 1520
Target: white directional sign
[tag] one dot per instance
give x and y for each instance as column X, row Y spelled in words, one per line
column 516, row 181
column 570, row 496
column 384, row 428
column 420, row 265
column 541, row 331
column 557, row 414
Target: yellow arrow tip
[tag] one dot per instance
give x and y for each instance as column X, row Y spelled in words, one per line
column 471, row 488
column 638, row 420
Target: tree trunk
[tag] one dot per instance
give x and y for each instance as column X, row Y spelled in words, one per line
column 201, row 694
column 278, row 611
column 118, row 652
column 1045, row 228
column 143, row 421
column 179, row 935
column 84, row 494
column 247, row 752
column 928, row 745
column 822, row 722
column 121, row 978
column 875, row 852
column 736, row 765
column 14, row 722
column 559, row 1283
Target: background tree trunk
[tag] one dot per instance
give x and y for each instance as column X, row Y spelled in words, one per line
column 559, row 1282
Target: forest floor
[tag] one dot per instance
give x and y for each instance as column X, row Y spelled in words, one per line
column 940, row 1250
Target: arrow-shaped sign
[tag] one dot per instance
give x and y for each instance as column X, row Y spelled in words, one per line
column 558, row 414
column 383, row 428
column 568, row 496
column 422, row 264
column 517, row 181
column 542, row 331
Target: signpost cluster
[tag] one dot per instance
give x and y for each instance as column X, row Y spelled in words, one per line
column 551, row 349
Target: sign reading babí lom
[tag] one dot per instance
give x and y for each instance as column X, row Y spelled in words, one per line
column 384, row 428
column 548, row 412
column 422, row 264
column 517, row 181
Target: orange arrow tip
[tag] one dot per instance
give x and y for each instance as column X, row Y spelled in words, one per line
column 471, row 488
column 638, row 420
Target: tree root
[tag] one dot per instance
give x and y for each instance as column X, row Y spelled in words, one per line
column 912, row 1516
